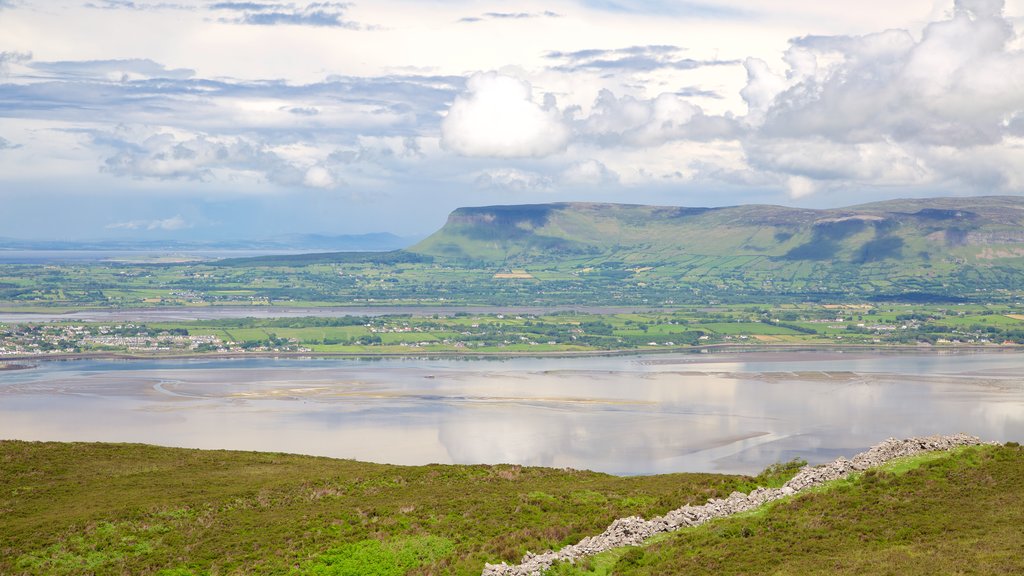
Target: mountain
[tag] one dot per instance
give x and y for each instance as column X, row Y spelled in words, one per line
column 936, row 245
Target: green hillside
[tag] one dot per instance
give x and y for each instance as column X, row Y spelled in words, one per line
column 106, row 509
column 939, row 245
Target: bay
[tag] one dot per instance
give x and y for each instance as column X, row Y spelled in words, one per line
column 643, row 414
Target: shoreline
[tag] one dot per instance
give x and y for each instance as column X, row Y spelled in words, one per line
column 222, row 311
column 695, row 350
column 13, row 367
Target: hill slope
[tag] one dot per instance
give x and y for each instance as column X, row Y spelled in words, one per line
column 938, row 244
column 132, row 509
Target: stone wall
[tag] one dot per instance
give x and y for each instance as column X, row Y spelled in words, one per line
column 634, row 529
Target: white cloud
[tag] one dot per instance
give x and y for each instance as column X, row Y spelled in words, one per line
column 588, row 173
column 166, row 224
column 800, row 186
column 319, row 177
column 498, row 117
column 513, row 179
column 885, row 108
column 956, row 85
column 618, row 121
column 176, row 155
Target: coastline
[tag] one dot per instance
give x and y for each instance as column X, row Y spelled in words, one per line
column 12, row 367
column 214, row 312
column 695, row 350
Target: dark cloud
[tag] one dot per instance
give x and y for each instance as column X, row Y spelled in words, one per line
column 6, row 144
column 319, row 14
column 631, row 59
column 509, row 16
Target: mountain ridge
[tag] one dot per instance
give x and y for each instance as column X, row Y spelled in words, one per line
column 938, row 246
column 530, row 232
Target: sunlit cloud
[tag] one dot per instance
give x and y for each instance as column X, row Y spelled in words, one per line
column 166, row 224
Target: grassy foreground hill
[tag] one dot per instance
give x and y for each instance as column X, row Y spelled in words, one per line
column 132, row 509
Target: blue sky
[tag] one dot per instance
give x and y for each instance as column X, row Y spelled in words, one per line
column 223, row 119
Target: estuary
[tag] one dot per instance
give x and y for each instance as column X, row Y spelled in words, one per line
column 642, row 414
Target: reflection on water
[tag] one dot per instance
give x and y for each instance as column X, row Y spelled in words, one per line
column 625, row 415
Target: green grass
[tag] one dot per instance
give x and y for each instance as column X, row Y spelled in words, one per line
column 132, row 509
column 940, row 513
column 73, row 508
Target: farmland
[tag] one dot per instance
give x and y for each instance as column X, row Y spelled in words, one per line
column 465, row 332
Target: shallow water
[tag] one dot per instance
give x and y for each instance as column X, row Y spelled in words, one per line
column 624, row 414
column 176, row 313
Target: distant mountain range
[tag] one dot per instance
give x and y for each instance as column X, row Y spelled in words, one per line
column 381, row 241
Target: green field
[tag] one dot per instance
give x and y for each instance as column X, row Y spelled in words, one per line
column 680, row 328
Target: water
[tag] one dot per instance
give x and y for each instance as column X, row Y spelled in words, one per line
column 623, row 415
column 131, row 256
column 185, row 313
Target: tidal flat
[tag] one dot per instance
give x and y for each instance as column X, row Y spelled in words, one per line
column 627, row 415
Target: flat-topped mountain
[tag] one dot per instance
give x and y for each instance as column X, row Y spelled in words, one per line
column 972, row 229
column 938, row 246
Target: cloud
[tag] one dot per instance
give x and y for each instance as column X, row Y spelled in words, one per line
column 320, row 14
column 588, row 173
column 111, row 70
column 879, row 108
column 497, row 116
column 509, row 16
column 130, row 5
column 319, row 177
column 956, row 85
column 649, row 122
column 8, row 58
column 669, row 8
column 631, row 59
column 800, row 186
column 6, row 144
column 142, row 92
column 166, row 224
column 513, row 179
column 202, row 158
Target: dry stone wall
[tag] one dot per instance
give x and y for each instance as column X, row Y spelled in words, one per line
column 634, row 529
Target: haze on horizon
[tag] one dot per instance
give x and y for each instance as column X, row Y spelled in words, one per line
column 213, row 119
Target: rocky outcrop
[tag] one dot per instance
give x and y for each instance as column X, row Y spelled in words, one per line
column 634, row 530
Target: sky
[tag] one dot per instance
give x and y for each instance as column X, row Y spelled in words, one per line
column 206, row 119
